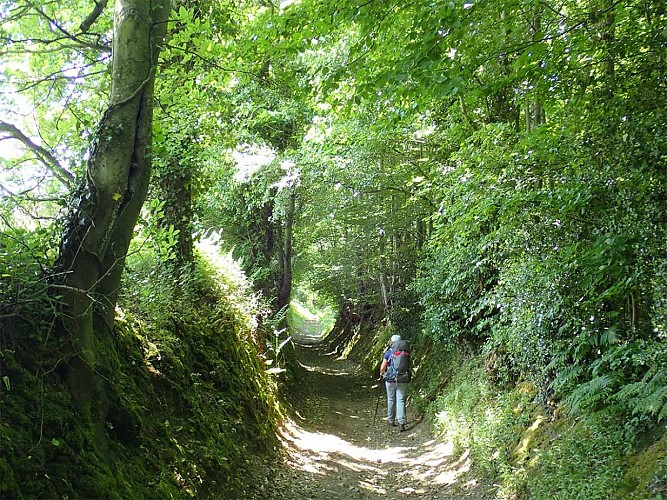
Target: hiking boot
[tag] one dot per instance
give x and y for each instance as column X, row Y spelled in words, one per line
column 402, row 428
column 390, row 423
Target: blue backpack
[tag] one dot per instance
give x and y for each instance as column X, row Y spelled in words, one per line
column 399, row 367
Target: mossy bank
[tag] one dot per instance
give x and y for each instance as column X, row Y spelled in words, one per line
column 191, row 400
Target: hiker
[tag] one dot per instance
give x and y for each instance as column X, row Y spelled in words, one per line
column 395, row 370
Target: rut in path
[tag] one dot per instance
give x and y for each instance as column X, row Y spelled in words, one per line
column 335, row 450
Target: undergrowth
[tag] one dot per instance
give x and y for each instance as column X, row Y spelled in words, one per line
column 532, row 450
column 191, row 397
column 524, row 447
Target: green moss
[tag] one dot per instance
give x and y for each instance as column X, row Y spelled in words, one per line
column 646, row 474
column 189, row 400
column 9, row 486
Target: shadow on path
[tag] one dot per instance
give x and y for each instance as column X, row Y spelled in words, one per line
column 336, row 447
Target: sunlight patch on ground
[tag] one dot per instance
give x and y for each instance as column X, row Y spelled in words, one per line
column 437, row 454
column 332, row 446
column 432, row 465
column 412, row 491
column 373, row 488
column 343, row 449
column 325, row 371
column 306, row 338
column 451, row 475
column 303, row 311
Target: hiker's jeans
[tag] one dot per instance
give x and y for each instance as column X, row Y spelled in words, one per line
column 396, row 402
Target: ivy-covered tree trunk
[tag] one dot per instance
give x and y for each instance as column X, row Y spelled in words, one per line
column 176, row 189
column 106, row 207
column 285, row 278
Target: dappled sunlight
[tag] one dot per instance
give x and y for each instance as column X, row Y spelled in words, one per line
column 347, row 416
column 330, row 445
column 310, row 320
column 451, row 474
column 308, row 339
column 352, row 342
column 433, row 464
column 371, row 487
column 303, row 311
column 326, row 371
column 435, row 453
column 340, row 444
column 523, row 449
column 418, row 465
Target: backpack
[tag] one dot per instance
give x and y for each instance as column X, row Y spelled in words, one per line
column 399, row 368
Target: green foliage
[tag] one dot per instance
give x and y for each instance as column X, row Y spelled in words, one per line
column 495, row 170
column 309, row 312
column 250, row 208
column 54, row 80
column 555, row 267
column 629, row 377
column 540, row 165
column 189, row 397
column 25, row 257
column 526, row 452
column 565, row 468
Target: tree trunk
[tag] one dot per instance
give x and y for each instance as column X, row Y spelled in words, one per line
column 176, row 189
column 534, row 110
column 382, row 265
column 106, row 208
column 285, row 288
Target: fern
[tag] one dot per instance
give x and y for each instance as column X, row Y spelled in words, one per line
column 654, row 401
column 648, row 396
column 630, row 392
column 590, row 394
column 568, row 377
column 663, row 413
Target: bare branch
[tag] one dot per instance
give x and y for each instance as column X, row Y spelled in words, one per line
column 53, row 77
column 45, row 157
column 36, row 199
column 29, row 45
column 92, row 17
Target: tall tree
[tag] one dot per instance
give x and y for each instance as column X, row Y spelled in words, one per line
column 106, row 206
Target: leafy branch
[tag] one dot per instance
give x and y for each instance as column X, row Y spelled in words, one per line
column 75, row 38
column 63, row 38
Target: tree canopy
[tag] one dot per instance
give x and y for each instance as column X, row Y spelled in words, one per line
column 485, row 177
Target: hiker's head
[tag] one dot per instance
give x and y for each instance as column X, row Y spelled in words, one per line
column 395, row 338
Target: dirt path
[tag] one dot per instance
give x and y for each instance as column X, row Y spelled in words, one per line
column 335, row 449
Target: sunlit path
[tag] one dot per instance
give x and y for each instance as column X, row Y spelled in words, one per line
column 424, row 467
column 337, row 447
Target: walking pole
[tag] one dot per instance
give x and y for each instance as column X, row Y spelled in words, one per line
column 377, row 404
